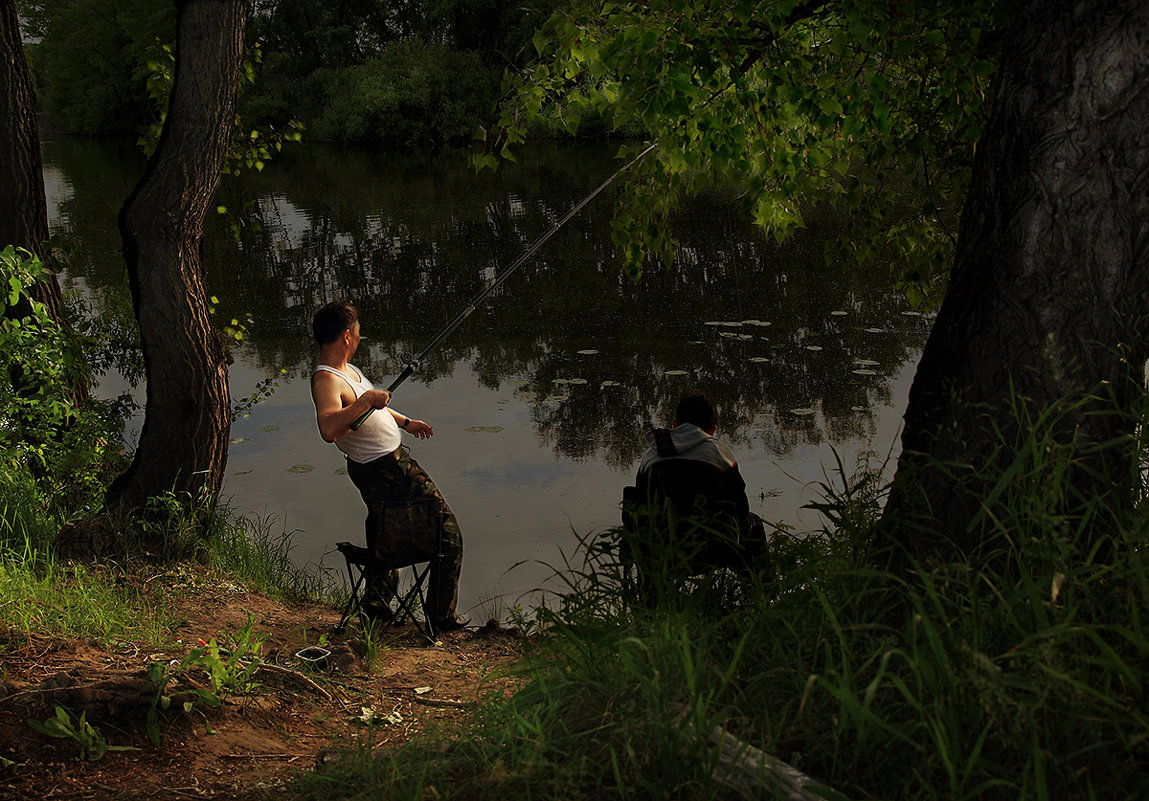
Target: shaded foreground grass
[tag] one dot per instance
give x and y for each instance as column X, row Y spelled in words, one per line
column 1018, row 676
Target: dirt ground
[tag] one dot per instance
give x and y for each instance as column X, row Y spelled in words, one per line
column 289, row 723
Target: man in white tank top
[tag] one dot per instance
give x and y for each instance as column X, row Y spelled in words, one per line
column 381, row 469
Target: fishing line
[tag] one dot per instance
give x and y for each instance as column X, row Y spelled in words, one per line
column 526, row 254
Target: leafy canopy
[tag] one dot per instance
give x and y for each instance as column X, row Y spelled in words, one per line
column 870, row 103
column 88, row 59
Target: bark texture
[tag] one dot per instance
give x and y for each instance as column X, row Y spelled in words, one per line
column 23, row 207
column 1048, row 297
column 183, row 443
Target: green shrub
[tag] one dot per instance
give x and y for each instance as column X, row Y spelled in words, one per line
column 411, row 93
column 57, row 451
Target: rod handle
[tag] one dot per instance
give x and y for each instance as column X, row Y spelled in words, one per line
column 403, row 376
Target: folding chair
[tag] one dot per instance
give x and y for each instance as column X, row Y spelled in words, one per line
column 400, row 535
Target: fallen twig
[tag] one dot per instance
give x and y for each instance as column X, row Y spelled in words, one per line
column 447, row 702
column 306, row 680
column 748, row 771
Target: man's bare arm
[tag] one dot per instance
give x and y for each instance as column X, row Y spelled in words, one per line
column 332, row 415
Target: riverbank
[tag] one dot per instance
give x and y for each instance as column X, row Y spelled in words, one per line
column 371, row 693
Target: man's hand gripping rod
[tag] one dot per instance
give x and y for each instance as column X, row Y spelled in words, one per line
column 526, row 254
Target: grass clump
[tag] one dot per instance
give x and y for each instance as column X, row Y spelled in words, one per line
column 207, row 533
column 45, row 597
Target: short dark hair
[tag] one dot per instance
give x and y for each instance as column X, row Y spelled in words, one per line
column 697, row 407
column 332, row 320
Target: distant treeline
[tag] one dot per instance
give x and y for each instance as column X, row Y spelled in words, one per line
column 412, row 72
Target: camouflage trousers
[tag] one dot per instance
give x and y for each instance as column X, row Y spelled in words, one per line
column 399, row 478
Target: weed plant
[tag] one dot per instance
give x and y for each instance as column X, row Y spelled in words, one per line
column 1014, row 674
column 207, row 532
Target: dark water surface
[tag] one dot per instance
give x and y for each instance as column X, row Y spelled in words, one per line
column 541, row 399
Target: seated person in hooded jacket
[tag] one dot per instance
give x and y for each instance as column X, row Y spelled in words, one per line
column 697, row 475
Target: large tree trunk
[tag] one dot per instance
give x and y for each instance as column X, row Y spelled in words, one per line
column 1049, row 294
column 23, row 207
column 183, row 444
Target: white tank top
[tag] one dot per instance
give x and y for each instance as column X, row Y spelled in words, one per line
column 378, row 436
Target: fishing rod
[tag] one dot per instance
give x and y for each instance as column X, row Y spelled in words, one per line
column 526, row 254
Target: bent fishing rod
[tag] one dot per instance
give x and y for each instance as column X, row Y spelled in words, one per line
column 526, row 254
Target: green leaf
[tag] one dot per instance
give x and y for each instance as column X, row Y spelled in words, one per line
column 541, row 40
column 830, row 106
column 859, row 29
column 51, row 727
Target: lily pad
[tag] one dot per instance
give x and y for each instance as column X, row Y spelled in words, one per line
column 864, row 372
column 803, row 412
column 726, row 323
column 561, row 381
column 911, row 313
column 300, row 468
column 578, row 382
column 269, row 428
column 865, row 362
column 342, row 471
column 857, row 408
column 611, row 384
column 486, row 429
column 587, row 352
column 759, row 323
column 676, row 372
column 813, row 347
column 759, row 359
column 838, row 313
column 556, row 398
column 239, row 441
column 875, row 330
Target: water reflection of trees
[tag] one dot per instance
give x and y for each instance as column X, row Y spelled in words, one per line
column 411, row 239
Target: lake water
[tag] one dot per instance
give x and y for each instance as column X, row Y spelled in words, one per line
column 540, row 401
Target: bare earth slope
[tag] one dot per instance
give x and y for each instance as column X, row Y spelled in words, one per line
column 291, row 722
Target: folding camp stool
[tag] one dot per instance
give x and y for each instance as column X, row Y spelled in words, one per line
column 405, row 535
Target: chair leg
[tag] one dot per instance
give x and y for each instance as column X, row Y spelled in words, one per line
column 353, row 604
column 406, row 603
column 428, row 627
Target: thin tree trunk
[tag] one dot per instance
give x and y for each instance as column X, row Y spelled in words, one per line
column 1048, row 298
column 183, row 444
